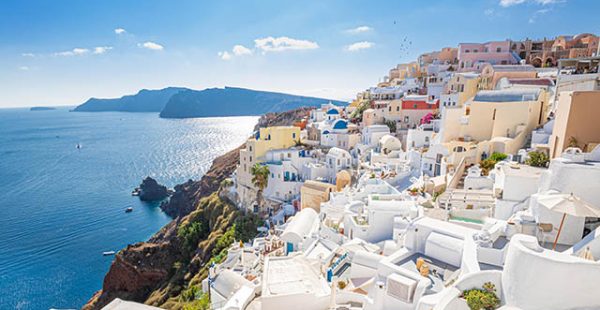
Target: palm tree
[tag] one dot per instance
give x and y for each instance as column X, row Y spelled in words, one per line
column 260, row 179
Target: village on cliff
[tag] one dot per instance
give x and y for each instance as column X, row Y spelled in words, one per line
column 468, row 179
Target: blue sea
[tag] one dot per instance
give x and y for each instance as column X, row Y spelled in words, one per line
column 61, row 207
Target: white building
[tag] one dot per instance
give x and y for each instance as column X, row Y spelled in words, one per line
column 337, row 160
column 339, row 136
column 286, row 172
column 292, row 282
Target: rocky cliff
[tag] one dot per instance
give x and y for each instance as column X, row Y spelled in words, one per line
column 166, row 270
column 233, row 101
column 144, row 101
column 150, row 190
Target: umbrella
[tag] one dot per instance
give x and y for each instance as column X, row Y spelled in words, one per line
column 567, row 204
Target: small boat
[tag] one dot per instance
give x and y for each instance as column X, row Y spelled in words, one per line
column 78, row 146
column 136, row 192
column 130, row 209
column 108, row 253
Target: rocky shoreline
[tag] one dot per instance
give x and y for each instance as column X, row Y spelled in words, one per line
column 158, row 271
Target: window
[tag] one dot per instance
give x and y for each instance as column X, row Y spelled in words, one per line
column 475, row 51
column 293, row 135
column 426, row 139
column 250, row 159
column 250, row 148
column 406, row 119
column 498, row 50
column 467, row 51
column 390, row 109
column 414, row 106
column 468, row 111
column 398, row 109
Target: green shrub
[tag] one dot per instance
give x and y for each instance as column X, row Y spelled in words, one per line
column 498, row 156
column 246, row 225
column 537, row 159
column 202, row 302
column 487, row 165
column 192, row 233
column 482, row 299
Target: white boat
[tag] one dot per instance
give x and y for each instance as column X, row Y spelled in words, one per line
column 108, row 253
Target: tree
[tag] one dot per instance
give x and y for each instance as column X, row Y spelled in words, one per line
column 260, row 179
column 391, row 124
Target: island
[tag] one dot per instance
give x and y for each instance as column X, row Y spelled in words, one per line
column 41, row 109
column 178, row 102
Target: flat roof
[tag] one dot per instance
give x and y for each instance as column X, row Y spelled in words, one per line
column 507, row 95
column 291, row 275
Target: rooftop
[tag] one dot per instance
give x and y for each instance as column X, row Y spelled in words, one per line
column 508, row 95
column 290, row 275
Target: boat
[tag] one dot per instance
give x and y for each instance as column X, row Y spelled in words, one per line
column 108, row 253
column 78, row 146
column 130, row 209
column 136, row 192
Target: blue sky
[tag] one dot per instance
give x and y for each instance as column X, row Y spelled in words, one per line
column 63, row 52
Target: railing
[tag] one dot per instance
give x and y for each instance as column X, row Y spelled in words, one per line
column 458, row 172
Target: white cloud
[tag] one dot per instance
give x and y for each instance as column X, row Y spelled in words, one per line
column 359, row 46
column 507, row 3
column 280, row 44
column 28, row 55
column 151, row 46
column 224, row 55
column 24, row 68
column 120, row 31
column 537, row 13
column 102, row 49
column 78, row 51
column 239, row 50
column 488, row 12
column 359, row 29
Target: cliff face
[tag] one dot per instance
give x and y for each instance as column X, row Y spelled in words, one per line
column 159, row 271
column 144, row 101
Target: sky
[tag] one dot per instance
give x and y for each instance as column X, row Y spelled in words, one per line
column 64, row 52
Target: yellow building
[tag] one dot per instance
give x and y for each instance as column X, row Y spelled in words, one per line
column 491, row 74
column 460, row 88
column 266, row 139
column 493, row 121
column 576, row 122
column 313, row 193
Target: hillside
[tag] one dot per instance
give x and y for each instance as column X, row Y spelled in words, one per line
column 231, row 101
column 167, row 270
column 144, row 101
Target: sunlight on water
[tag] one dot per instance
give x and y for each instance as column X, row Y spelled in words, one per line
column 61, row 207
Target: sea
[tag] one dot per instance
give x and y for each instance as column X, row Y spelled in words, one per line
column 62, row 206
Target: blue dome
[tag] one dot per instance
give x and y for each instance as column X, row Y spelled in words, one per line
column 326, row 132
column 333, row 112
column 340, row 124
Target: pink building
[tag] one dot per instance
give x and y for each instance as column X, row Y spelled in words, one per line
column 495, row 53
